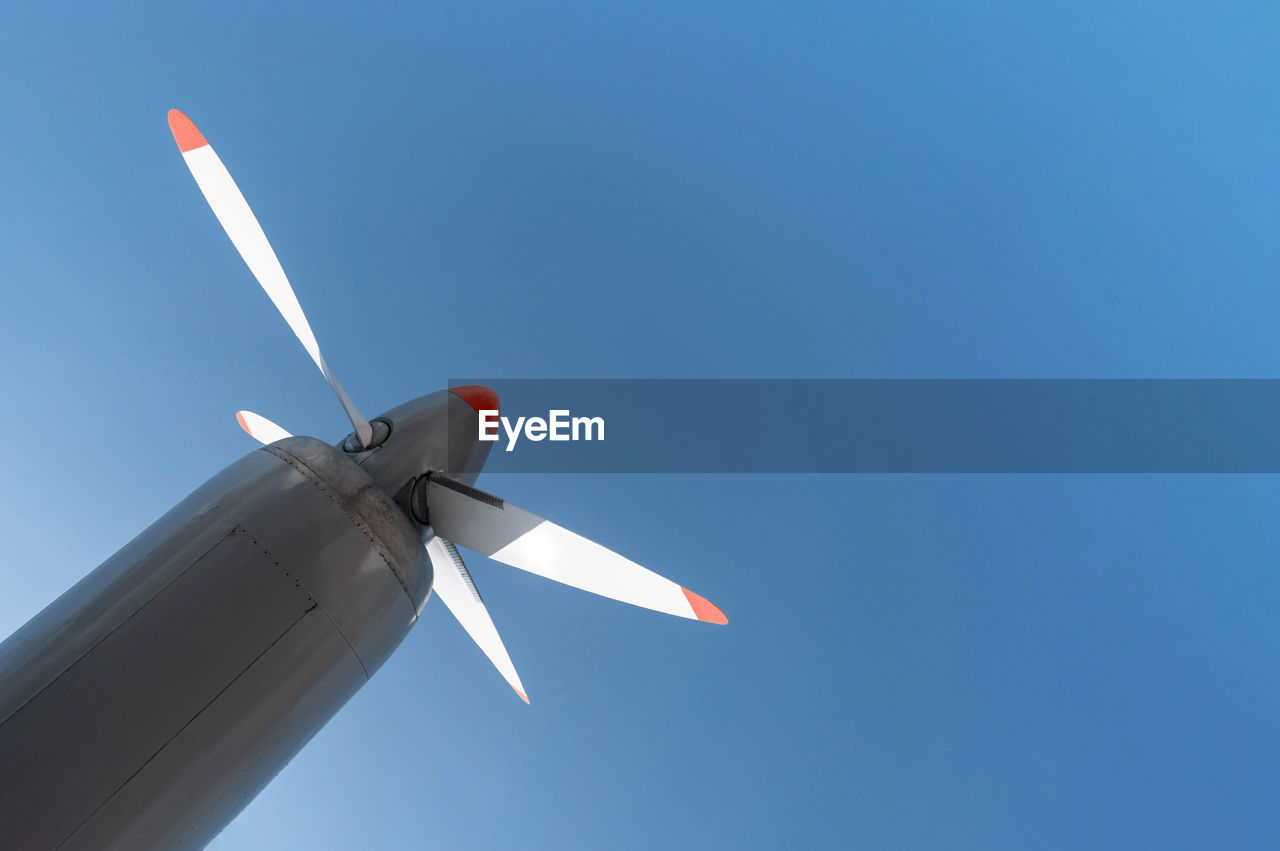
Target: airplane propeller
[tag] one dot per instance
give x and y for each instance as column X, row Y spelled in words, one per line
column 509, row 534
column 246, row 235
column 448, row 510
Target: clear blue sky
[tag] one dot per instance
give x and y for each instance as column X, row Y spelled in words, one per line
column 733, row 189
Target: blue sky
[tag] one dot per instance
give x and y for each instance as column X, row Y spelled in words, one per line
column 730, row 190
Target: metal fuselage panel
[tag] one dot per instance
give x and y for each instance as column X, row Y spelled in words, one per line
column 147, row 705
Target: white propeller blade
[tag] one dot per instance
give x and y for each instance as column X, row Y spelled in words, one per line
column 260, row 428
column 246, row 235
column 511, row 535
column 454, row 586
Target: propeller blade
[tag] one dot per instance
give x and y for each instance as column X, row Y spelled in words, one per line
column 246, row 235
column 454, row 586
column 513, row 536
column 259, row 428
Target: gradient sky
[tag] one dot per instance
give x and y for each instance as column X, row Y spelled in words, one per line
column 707, row 190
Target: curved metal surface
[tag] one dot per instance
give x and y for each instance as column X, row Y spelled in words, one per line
column 436, row 432
column 146, row 706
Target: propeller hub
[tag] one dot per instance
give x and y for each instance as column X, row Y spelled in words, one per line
column 434, row 433
column 381, row 431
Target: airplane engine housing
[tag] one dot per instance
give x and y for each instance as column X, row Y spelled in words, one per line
column 208, row 650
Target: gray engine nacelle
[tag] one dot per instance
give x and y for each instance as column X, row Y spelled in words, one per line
column 211, row 648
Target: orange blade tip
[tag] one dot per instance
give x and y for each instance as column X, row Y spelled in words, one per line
column 184, row 132
column 240, row 419
column 704, row 609
column 522, row 697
